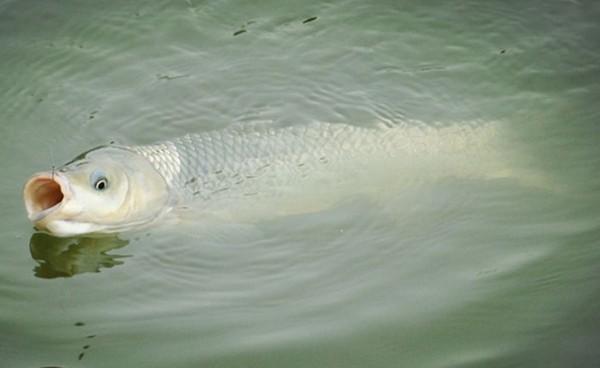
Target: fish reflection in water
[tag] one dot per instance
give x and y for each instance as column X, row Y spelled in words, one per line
column 67, row 257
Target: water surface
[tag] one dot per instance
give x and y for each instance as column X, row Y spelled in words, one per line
column 456, row 272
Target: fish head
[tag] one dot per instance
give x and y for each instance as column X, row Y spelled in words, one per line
column 106, row 190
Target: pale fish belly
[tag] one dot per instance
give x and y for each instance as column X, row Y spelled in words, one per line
column 302, row 168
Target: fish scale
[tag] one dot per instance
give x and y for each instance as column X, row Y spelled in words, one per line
column 198, row 164
column 252, row 156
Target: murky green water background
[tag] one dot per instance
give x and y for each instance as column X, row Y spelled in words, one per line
column 462, row 273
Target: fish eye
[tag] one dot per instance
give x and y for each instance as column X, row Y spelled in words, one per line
column 101, row 184
column 99, row 181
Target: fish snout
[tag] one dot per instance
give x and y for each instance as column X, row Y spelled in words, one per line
column 43, row 194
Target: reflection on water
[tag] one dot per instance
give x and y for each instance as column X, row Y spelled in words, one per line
column 67, row 257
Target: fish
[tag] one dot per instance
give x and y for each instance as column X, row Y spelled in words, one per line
column 116, row 188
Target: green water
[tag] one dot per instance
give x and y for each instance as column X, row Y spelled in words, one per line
column 450, row 273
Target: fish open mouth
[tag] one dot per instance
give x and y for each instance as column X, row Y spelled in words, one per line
column 42, row 194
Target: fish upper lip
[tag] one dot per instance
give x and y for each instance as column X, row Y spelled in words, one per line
column 44, row 193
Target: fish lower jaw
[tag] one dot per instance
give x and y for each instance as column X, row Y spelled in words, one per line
column 65, row 228
column 37, row 217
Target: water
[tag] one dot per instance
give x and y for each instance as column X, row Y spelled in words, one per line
column 458, row 272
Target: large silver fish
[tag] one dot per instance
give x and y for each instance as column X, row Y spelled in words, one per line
column 115, row 188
